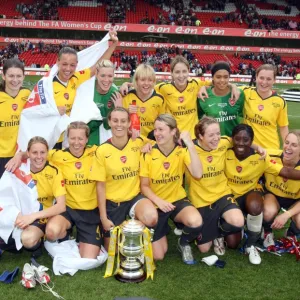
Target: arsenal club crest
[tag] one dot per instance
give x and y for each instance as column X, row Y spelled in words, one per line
column 142, row 109
column 209, row 159
column 78, row 165
column 181, row 99
column 62, row 183
column 239, row 169
column 66, row 95
column 14, row 107
column 166, row 165
column 109, row 104
column 123, row 159
column 260, row 107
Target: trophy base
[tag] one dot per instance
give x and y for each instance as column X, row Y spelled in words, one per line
column 130, row 280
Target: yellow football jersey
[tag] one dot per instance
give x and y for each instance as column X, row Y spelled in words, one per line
column 81, row 191
column 264, row 115
column 64, row 95
column 165, row 173
column 50, row 184
column 213, row 185
column 280, row 186
column 148, row 110
column 183, row 105
column 243, row 175
column 10, row 111
column 119, row 169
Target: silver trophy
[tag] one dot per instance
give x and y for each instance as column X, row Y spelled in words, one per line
column 131, row 249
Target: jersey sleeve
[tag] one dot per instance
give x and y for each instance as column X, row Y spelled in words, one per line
column 272, row 167
column 50, row 156
column 282, row 119
column 83, row 75
column 126, row 101
column 98, row 172
column 201, row 112
column 241, row 101
column 144, row 165
column 58, row 186
column 186, row 157
column 203, row 82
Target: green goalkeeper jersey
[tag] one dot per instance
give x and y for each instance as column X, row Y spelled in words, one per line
column 105, row 105
column 220, row 108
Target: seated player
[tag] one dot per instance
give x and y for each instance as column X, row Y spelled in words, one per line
column 282, row 192
column 162, row 172
column 116, row 171
column 51, row 195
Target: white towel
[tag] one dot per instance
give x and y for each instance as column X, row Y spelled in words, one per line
column 18, row 194
column 40, row 116
column 67, row 260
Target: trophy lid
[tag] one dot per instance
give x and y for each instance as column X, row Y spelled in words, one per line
column 132, row 226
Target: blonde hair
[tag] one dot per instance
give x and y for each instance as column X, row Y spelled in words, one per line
column 200, row 128
column 267, row 67
column 79, row 125
column 296, row 132
column 169, row 120
column 179, row 59
column 143, row 71
column 37, row 140
column 105, row 63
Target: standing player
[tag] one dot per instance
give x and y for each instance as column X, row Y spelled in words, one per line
column 218, row 104
column 283, row 192
column 67, row 80
column 211, row 195
column 106, row 97
column 243, row 168
column 181, row 94
column 162, row 173
column 12, row 100
column 116, row 171
column 149, row 104
column 264, row 110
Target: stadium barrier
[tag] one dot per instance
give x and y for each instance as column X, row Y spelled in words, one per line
column 153, row 46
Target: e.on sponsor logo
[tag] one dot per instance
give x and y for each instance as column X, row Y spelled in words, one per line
column 127, row 44
column 159, row 29
column 255, row 33
column 211, row 31
column 115, row 27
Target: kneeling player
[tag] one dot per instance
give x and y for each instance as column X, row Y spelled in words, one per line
column 282, row 192
column 211, row 195
column 243, row 169
column 161, row 174
column 116, row 170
